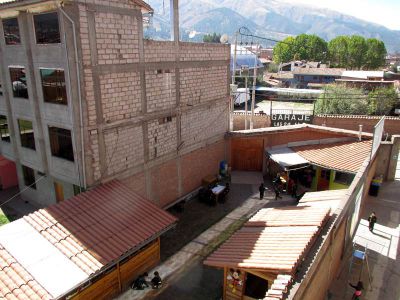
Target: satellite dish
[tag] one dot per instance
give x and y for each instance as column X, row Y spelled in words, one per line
column 192, row 34
column 224, row 38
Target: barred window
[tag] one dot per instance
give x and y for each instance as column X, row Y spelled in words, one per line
column 53, row 86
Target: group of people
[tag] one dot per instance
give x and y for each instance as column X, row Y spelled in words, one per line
column 277, row 185
column 142, row 281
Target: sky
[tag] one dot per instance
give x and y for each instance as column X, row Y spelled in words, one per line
column 383, row 12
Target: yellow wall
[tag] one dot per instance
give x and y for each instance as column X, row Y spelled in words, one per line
column 334, row 185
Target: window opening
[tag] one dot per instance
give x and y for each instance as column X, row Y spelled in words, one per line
column 61, row 143
column 47, row 28
column 53, row 86
column 26, row 134
column 11, row 31
column 4, row 131
column 18, row 81
column 29, row 177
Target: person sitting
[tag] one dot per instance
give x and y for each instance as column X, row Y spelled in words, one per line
column 156, row 282
column 140, row 283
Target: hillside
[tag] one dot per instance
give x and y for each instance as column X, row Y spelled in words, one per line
column 269, row 18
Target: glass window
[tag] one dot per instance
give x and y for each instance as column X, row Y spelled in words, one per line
column 26, row 133
column 61, row 143
column 4, row 133
column 18, row 81
column 344, row 178
column 46, row 28
column 29, row 177
column 53, row 85
column 11, row 31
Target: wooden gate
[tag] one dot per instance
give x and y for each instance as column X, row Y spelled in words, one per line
column 247, row 154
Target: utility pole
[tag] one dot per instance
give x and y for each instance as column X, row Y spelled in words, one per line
column 253, row 98
column 245, row 104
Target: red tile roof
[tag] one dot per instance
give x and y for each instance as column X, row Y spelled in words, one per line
column 16, row 282
column 95, row 228
column 277, row 248
column 344, row 156
column 271, row 249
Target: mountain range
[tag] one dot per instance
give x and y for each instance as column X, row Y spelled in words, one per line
column 274, row 19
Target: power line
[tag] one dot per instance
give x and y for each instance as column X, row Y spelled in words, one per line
column 20, row 192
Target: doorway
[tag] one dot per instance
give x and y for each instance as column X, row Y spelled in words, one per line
column 323, row 180
column 59, row 191
column 255, row 287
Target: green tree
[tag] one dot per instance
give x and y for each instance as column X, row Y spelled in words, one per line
column 338, row 51
column 302, row 47
column 283, row 51
column 376, row 53
column 382, row 101
column 357, row 47
column 212, row 38
column 341, row 100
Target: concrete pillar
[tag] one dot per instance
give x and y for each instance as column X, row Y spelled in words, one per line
column 394, row 156
column 174, row 16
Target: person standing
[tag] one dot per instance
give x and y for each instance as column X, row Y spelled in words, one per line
column 261, row 188
column 358, row 288
column 371, row 221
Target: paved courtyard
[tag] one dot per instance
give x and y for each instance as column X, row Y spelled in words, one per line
column 383, row 250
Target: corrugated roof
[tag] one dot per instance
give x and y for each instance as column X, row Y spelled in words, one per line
column 276, row 248
column 289, row 216
column 16, row 282
column 319, row 71
column 95, row 228
column 345, row 156
column 324, row 199
column 272, row 249
column 363, row 74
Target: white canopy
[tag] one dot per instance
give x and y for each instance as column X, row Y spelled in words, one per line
column 286, row 157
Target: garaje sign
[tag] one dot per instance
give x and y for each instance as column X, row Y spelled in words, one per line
column 290, row 119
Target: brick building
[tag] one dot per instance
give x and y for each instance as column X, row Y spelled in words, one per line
column 86, row 99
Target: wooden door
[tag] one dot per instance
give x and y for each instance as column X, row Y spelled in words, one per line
column 323, row 180
column 59, row 191
column 247, row 154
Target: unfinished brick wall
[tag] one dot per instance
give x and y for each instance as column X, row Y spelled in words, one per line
column 160, row 89
column 124, row 148
column 203, row 84
column 392, row 124
column 143, row 97
column 120, row 95
column 117, row 38
column 200, row 124
column 162, row 137
column 259, row 121
column 203, row 51
column 156, row 51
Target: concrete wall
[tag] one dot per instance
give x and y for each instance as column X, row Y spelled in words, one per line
column 149, row 106
column 32, row 57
